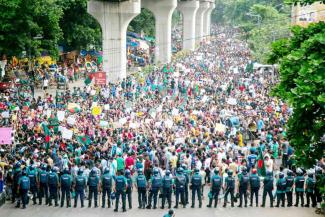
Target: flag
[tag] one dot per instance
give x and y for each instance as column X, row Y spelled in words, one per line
column 261, row 170
column 88, row 80
column 47, row 135
column 85, row 140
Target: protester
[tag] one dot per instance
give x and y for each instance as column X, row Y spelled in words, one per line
column 209, row 110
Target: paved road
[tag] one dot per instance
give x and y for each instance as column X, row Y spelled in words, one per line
column 8, row 210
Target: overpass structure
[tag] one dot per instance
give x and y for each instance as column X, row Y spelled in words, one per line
column 114, row 17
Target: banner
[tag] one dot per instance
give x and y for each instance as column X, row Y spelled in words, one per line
column 100, row 78
column 5, row 136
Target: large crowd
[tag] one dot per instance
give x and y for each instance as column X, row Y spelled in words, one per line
column 204, row 124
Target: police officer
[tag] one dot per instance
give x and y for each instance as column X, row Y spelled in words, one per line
column 120, row 189
column 186, row 173
column 180, row 182
column 23, row 187
column 229, row 188
column 79, row 187
column 167, row 186
column 33, row 182
column 53, row 186
column 281, row 185
column 310, row 189
column 299, row 187
column 66, row 182
column 196, row 182
column 254, row 183
column 129, row 187
column 268, row 187
column 106, row 181
column 43, row 185
column 141, row 183
column 289, row 186
column 16, row 177
column 216, row 183
column 93, row 182
column 155, row 185
column 319, row 183
column 243, row 180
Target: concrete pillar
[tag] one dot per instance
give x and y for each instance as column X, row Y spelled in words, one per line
column 188, row 10
column 163, row 11
column 207, row 20
column 114, row 18
column 204, row 6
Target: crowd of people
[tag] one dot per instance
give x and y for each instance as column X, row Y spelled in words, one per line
column 204, row 124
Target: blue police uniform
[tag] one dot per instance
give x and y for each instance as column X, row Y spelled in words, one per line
column 66, row 182
column 80, row 184
column 93, row 181
column 196, row 188
column 167, row 184
column 33, row 183
column 24, row 186
column 43, row 186
column 156, row 182
column 141, row 182
column 120, row 187
column 255, row 183
column 216, row 183
column 106, row 180
column 53, row 187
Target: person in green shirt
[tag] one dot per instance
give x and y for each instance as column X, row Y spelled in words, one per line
column 120, row 163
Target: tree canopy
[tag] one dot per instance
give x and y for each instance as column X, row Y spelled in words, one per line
column 263, row 22
column 302, row 85
column 23, row 20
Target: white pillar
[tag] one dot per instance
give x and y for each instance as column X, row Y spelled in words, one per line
column 188, row 10
column 207, row 20
column 114, row 18
column 204, row 6
column 163, row 11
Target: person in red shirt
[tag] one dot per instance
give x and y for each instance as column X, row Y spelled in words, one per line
column 129, row 162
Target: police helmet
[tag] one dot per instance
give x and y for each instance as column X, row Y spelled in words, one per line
column 184, row 166
column 24, row 173
column 230, row 172
column 281, row 175
column 196, row 170
column 244, row 169
column 127, row 172
column 140, row 171
column 80, row 172
column 216, row 171
column 155, row 171
column 106, row 170
column 17, row 165
column 66, row 171
column 289, row 173
column 299, row 171
column 310, row 173
column 268, row 173
column 167, row 172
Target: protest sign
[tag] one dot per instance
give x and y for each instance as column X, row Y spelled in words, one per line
column 5, row 136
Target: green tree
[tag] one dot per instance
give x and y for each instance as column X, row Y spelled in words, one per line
column 143, row 22
column 302, row 85
column 79, row 28
column 22, row 20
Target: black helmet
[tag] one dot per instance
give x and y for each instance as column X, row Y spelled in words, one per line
column 281, row 175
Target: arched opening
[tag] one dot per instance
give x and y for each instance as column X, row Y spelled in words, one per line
column 141, row 39
column 177, row 31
